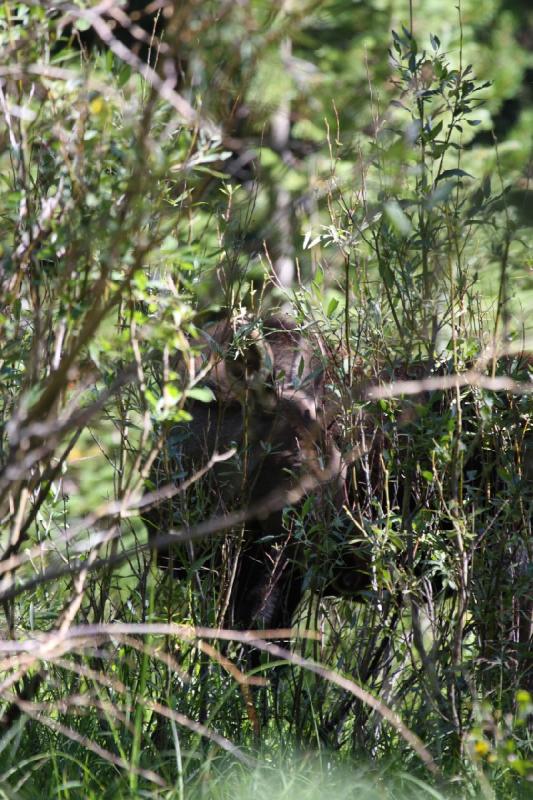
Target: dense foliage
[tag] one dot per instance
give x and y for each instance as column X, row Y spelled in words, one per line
column 365, row 166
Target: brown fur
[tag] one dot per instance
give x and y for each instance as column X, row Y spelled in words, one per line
column 269, row 404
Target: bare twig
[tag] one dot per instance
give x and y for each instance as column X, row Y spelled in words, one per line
column 431, row 384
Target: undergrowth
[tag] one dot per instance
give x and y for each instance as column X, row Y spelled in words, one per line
column 123, row 235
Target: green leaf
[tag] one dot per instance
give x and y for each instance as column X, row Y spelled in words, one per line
column 82, row 24
column 319, row 277
column 434, row 132
column 215, row 173
column 397, row 218
column 124, row 75
column 332, row 307
column 173, row 394
column 453, row 173
column 201, row 393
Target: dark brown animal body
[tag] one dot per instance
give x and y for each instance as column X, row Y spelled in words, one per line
column 272, row 405
column 269, row 405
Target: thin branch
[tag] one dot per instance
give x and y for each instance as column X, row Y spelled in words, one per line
column 431, row 384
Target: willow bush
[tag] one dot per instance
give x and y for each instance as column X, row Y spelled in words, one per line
column 129, row 220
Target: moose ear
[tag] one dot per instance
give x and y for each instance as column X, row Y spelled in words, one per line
column 251, row 364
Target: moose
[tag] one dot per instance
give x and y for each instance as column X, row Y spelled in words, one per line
column 269, row 405
column 295, row 441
